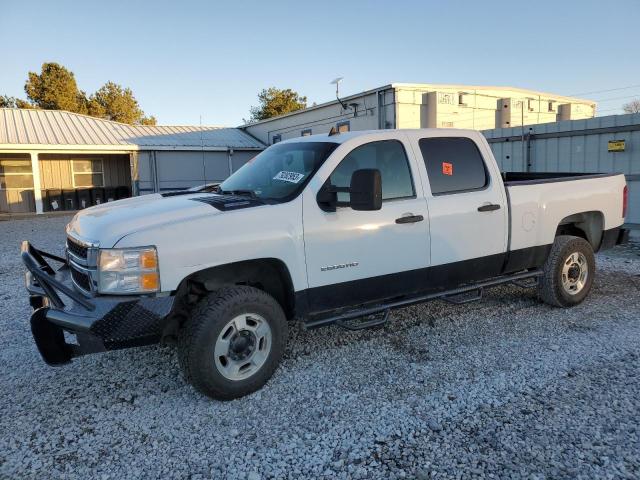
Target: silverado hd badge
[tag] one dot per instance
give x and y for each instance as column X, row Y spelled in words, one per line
column 339, row 266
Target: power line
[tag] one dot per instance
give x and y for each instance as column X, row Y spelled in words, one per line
column 604, row 91
column 637, row 95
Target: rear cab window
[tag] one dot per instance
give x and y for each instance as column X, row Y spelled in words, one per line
column 454, row 165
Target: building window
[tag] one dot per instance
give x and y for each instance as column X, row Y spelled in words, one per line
column 530, row 105
column 453, row 164
column 461, row 99
column 87, row 172
column 306, row 132
column 276, row 139
column 15, row 171
column 551, row 107
column 343, row 126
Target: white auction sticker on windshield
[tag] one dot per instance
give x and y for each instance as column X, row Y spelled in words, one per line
column 292, row 177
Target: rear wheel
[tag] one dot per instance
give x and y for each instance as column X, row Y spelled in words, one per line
column 233, row 342
column 568, row 272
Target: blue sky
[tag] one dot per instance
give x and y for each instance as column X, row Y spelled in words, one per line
column 190, row 59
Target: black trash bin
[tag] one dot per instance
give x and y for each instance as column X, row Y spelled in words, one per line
column 109, row 194
column 122, row 192
column 97, row 196
column 84, row 197
column 52, row 199
column 70, row 200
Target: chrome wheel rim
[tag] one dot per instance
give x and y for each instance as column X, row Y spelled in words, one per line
column 575, row 272
column 243, row 346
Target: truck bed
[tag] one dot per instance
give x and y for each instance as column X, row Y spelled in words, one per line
column 531, row 178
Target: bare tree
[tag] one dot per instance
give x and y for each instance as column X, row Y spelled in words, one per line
column 632, row 107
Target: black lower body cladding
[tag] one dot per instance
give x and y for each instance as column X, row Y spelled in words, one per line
column 432, row 279
column 613, row 237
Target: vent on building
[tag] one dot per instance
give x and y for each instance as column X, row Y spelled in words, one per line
column 446, row 124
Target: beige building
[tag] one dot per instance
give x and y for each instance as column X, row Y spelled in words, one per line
column 54, row 160
column 405, row 105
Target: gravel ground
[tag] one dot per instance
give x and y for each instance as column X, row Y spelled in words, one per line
column 504, row 388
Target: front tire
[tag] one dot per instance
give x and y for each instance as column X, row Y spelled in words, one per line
column 568, row 272
column 233, row 342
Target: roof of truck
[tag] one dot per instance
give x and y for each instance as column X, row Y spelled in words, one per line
column 345, row 136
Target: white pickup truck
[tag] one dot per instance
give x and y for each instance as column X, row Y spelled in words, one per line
column 338, row 228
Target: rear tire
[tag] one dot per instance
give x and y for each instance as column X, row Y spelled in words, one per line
column 233, row 342
column 568, row 272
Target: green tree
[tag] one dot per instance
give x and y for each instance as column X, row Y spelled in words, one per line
column 13, row 102
column 274, row 102
column 116, row 103
column 55, row 88
column 150, row 120
column 7, row 101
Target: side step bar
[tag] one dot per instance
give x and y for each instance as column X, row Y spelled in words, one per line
column 448, row 295
column 362, row 322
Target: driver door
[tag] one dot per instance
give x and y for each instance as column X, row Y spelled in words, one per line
column 355, row 257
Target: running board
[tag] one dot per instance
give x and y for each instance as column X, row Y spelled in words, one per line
column 527, row 282
column 342, row 318
column 462, row 298
column 361, row 323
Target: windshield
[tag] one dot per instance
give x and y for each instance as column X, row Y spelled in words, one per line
column 280, row 172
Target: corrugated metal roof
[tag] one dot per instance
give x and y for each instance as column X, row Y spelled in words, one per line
column 59, row 128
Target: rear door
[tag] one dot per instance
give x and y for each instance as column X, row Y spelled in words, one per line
column 355, row 257
column 467, row 207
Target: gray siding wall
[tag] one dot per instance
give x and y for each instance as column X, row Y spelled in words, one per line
column 574, row 146
column 175, row 170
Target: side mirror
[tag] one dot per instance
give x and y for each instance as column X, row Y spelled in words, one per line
column 365, row 192
column 366, row 189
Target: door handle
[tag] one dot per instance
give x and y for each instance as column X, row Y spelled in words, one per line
column 488, row 208
column 410, row 219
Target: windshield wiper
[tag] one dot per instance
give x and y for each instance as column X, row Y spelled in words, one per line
column 249, row 193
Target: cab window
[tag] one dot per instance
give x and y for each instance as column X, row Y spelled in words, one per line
column 454, row 164
column 389, row 157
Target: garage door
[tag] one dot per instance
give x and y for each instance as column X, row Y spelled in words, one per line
column 240, row 158
column 179, row 170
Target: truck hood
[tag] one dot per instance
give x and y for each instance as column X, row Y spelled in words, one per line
column 107, row 223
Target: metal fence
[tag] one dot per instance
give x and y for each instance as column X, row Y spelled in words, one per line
column 601, row 144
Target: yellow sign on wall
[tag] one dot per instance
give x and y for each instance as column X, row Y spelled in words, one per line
column 616, row 146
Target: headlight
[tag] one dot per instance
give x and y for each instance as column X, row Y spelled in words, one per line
column 128, row 270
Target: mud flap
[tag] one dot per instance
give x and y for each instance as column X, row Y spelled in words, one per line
column 49, row 339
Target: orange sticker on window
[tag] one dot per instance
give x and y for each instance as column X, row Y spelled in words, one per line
column 447, row 168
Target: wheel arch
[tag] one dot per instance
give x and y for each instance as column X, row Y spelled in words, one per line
column 588, row 225
column 268, row 274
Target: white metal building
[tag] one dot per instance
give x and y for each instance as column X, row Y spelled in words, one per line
column 44, row 151
column 404, row 105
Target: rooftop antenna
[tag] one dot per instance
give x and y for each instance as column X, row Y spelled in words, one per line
column 336, row 82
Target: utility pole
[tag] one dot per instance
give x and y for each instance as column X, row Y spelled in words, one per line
column 524, row 161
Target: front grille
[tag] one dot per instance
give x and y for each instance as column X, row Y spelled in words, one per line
column 76, row 249
column 81, row 279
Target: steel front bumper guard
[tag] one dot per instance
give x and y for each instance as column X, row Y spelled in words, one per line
column 99, row 323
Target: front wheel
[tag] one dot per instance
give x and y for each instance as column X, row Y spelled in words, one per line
column 568, row 272
column 233, row 342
